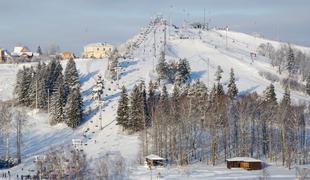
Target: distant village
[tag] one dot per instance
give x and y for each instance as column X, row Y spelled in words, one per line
column 24, row 54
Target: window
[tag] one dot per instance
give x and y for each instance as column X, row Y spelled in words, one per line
column 97, row 49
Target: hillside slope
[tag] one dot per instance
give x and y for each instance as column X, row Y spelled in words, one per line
column 205, row 50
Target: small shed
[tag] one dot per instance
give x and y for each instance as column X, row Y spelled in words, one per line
column 154, row 160
column 245, row 163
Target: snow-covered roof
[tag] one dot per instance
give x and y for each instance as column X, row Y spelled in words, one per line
column 154, row 157
column 97, row 45
column 17, row 49
column 245, row 159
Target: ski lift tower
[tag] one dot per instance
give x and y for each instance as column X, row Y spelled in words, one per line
column 98, row 96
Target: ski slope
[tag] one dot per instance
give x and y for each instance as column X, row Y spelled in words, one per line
column 205, row 50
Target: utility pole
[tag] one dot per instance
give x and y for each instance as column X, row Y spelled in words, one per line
column 226, row 37
column 165, row 38
column 170, row 20
column 204, row 18
column 154, row 48
column 97, row 94
column 48, row 102
column 209, row 73
column 36, row 93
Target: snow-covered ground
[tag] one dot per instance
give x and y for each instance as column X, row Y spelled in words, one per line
column 204, row 50
column 202, row 171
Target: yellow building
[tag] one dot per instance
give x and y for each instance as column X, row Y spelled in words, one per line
column 97, row 50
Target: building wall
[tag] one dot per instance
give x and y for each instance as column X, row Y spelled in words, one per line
column 97, row 51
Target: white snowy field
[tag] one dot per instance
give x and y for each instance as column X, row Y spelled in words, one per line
column 204, row 50
column 202, row 171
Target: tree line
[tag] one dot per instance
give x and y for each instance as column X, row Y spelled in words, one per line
column 193, row 123
column 46, row 87
column 289, row 59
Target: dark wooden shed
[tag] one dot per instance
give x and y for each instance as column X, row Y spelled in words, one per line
column 245, row 163
column 154, row 160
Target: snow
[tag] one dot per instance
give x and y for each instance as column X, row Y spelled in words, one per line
column 204, row 50
column 201, row 171
column 154, row 157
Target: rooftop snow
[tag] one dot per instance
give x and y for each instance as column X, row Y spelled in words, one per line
column 245, row 159
column 154, row 157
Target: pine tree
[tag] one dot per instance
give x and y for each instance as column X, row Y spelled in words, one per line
column 146, row 113
column 57, row 102
column 53, row 70
column 113, row 63
column 74, row 101
column 290, row 61
column 39, row 50
column 308, row 85
column 162, row 67
column 270, row 95
column 38, row 90
column 218, row 74
column 164, row 94
column 232, row 87
column 22, row 88
column 151, row 101
column 286, row 101
column 71, row 78
column 73, row 108
column 183, row 71
column 122, row 118
column 136, row 116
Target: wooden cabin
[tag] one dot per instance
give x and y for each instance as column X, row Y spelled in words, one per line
column 245, row 163
column 154, row 160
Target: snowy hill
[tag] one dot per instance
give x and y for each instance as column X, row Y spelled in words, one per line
column 205, row 50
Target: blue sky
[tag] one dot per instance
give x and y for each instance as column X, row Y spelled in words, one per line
column 74, row 23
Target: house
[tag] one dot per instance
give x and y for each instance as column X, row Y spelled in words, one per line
column 22, row 51
column 154, row 160
column 97, row 50
column 244, row 162
column 66, row 55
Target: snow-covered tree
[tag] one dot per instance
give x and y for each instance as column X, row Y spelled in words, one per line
column 270, row 95
column 308, row 85
column 183, row 71
column 218, row 74
column 113, row 63
column 122, row 118
column 39, row 50
column 136, row 116
column 162, row 66
column 57, row 102
column 146, row 114
column 71, row 77
column 286, row 100
column 23, row 81
column 73, row 108
column 232, row 87
column 38, row 88
column 290, row 60
column 53, row 70
column 74, row 101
